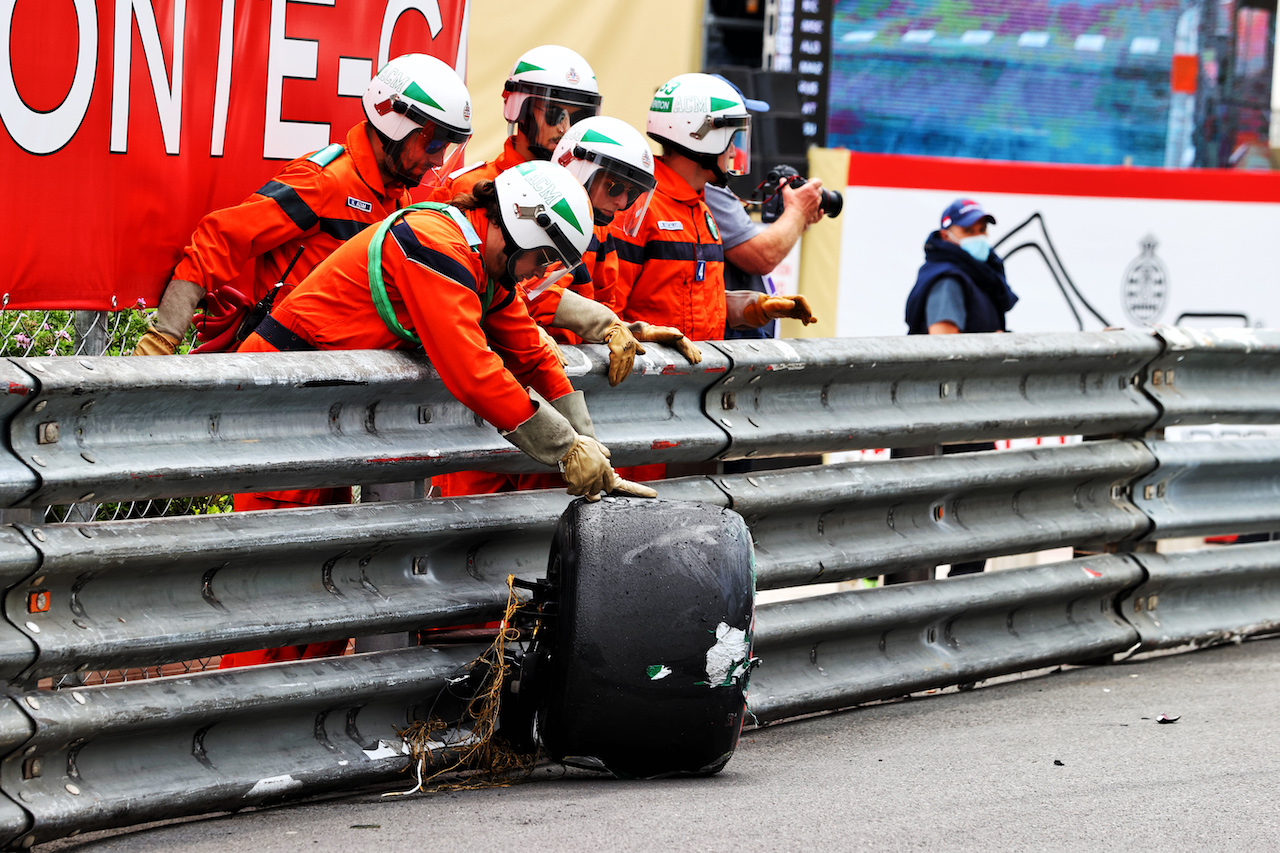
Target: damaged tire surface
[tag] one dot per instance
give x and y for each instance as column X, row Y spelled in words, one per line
column 651, row 649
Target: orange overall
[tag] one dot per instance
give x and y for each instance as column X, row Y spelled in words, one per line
column 434, row 282
column 672, row 272
column 313, row 205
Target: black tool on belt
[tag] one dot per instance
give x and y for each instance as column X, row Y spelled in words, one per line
column 260, row 311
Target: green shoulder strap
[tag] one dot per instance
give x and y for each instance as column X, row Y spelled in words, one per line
column 378, row 289
column 327, row 155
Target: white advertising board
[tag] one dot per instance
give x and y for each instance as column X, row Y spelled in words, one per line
column 1143, row 246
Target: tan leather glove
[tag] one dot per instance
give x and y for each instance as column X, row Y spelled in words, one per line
column 586, row 468
column 623, row 349
column 172, row 319
column 587, row 472
column 767, row 308
column 595, row 323
column 668, row 336
column 574, row 408
column 156, row 343
column 626, row 487
column 548, row 437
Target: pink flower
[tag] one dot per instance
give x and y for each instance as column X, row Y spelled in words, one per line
column 22, row 340
column 63, row 335
column 141, row 303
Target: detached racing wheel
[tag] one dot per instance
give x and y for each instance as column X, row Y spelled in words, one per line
column 642, row 649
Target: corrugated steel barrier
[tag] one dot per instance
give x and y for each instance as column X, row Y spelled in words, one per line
column 116, row 595
column 836, row 650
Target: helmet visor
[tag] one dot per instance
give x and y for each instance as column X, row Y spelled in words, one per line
column 740, row 152
column 619, row 199
column 426, row 156
column 555, row 112
column 445, row 157
column 572, row 99
column 533, row 269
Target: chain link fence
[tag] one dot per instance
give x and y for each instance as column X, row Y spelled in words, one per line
column 70, row 333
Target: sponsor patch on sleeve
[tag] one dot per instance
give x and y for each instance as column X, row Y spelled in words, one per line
column 668, row 225
column 360, row 204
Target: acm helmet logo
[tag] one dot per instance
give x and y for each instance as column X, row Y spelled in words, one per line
column 546, row 188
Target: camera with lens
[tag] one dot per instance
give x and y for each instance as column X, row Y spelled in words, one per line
column 771, row 208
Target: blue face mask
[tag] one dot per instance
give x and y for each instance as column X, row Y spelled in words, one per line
column 978, row 246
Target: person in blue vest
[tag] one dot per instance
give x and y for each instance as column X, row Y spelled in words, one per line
column 961, row 286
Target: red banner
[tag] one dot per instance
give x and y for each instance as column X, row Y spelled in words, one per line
column 127, row 121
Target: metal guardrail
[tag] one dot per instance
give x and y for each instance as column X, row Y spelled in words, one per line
column 396, row 566
column 142, row 592
column 1227, row 376
column 16, row 479
column 1206, row 597
column 856, row 393
column 838, row 650
column 120, row 429
column 1202, row 488
column 97, row 757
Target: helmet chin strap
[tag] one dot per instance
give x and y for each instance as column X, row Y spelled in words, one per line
column 711, row 162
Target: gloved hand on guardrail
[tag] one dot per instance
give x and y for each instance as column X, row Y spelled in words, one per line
column 549, row 436
column 767, row 308
column 669, row 336
column 596, row 324
column 156, row 343
column 172, row 319
column 623, row 349
column 587, row 471
column 586, row 468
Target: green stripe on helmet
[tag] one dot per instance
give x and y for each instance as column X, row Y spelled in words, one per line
column 722, row 103
column 413, row 90
column 597, row 136
column 566, row 212
column 526, row 66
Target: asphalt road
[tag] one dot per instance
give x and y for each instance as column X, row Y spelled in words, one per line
column 1064, row 760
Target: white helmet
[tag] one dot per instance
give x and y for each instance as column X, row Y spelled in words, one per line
column 552, row 76
column 419, row 92
column 610, row 157
column 544, row 210
column 702, row 117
